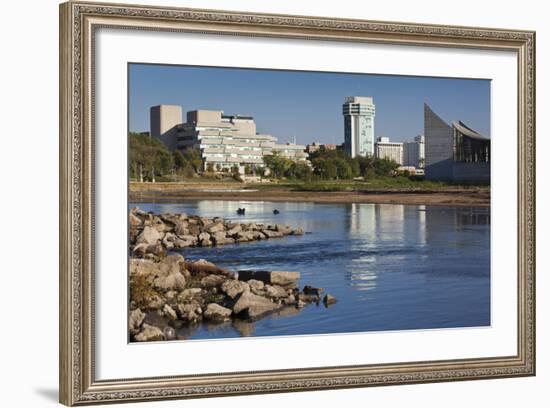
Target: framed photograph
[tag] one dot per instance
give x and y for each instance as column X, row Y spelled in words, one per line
column 255, row 203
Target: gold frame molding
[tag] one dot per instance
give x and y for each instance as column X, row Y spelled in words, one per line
column 78, row 22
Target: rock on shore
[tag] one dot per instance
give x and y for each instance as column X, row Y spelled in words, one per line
column 153, row 234
column 170, row 293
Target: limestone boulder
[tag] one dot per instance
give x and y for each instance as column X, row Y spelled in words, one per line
column 182, row 243
column 253, row 306
column 153, row 302
column 135, row 320
column 203, row 235
column 234, row 230
column 214, row 227
column 275, row 291
column 244, row 236
column 204, row 239
column 134, row 220
column 232, row 287
column 188, row 294
column 256, row 286
column 283, row 278
column 181, row 228
column 165, row 275
column 191, row 312
column 219, row 238
column 172, row 281
column 203, row 266
column 283, row 229
column 205, row 242
column 169, row 312
column 149, row 333
column 149, row 236
column 272, row 234
column 329, row 300
column 290, row 300
column 217, row 313
column 212, row 281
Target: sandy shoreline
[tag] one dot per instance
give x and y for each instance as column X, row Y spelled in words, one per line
column 451, row 197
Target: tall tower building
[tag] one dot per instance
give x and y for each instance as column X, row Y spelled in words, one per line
column 359, row 115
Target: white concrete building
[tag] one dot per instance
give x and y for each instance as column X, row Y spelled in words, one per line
column 359, row 113
column 227, row 140
column 385, row 149
column 164, row 120
column 291, row 151
column 413, row 153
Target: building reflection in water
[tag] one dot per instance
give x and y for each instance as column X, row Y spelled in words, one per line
column 362, row 234
column 379, row 233
column 443, row 224
column 472, row 216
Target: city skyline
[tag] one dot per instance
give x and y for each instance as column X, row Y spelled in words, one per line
column 307, row 105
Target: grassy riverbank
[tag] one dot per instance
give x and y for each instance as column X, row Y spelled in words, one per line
column 390, row 190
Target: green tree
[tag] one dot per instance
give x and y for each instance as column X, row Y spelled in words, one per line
column 179, row 160
column 147, row 153
column 194, row 157
column 385, row 167
column 343, row 169
column 277, row 165
column 355, row 167
column 188, row 171
column 325, row 168
column 300, row 171
column 235, row 173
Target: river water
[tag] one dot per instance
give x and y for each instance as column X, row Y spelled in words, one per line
column 391, row 267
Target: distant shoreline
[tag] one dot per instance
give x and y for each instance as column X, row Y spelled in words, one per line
column 174, row 192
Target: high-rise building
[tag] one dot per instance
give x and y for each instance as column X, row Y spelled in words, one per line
column 164, row 120
column 413, row 153
column 385, row 149
column 455, row 152
column 359, row 112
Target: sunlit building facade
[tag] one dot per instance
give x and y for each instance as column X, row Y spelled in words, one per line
column 384, row 149
column 414, row 153
column 359, row 113
column 225, row 141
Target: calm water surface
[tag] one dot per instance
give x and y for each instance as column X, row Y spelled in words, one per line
column 391, row 267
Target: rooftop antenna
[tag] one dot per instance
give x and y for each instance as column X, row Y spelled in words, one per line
column 294, row 138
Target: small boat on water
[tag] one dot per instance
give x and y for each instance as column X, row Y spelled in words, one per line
column 241, row 211
column 275, row 211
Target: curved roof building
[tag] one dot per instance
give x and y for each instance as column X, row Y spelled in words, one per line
column 455, row 152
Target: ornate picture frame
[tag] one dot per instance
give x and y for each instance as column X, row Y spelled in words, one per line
column 78, row 24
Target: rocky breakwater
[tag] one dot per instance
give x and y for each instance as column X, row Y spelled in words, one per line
column 152, row 235
column 169, row 296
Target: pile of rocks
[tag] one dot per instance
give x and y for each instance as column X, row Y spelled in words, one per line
column 169, row 293
column 154, row 234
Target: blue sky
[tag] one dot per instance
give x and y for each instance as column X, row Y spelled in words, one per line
column 307, row 104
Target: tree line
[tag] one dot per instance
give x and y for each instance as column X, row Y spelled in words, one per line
column 329, row 165
column 150, row 158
